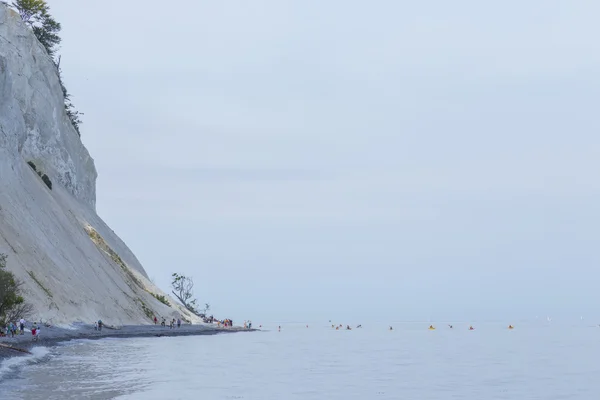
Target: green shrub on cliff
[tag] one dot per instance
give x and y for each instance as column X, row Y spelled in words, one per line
column 47, row 181
column 161, row 298
column 44, row 177
column 12, row 303
column 36, row 13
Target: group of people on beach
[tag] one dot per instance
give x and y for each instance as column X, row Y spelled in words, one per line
column 226, row 323
column 174, row 322
column 98, row 325
column 13, row 329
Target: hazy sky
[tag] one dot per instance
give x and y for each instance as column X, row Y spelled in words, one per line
column 330, row 159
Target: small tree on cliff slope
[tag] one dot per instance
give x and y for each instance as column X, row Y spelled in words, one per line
column 183, row 289
column 12, row 303
column 72, row 112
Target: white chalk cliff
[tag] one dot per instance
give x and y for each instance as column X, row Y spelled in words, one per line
column 75, row 268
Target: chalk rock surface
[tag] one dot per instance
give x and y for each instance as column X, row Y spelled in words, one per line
column 74, row 267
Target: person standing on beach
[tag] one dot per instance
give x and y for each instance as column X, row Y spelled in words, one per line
column 155, row 320
column 178, row 323
column 96, row 325
column 22, row 322
column 100, row 325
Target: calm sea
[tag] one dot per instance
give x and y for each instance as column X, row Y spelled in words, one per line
column 549, row 361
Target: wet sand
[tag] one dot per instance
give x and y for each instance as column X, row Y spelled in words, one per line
column 53, row 335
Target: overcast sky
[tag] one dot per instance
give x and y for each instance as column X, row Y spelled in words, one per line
column 312, row 160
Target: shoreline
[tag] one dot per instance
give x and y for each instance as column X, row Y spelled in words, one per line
column 21, row 345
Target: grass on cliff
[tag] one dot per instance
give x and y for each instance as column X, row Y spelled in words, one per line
column 161, row 298
column 149, row 313
column 131, row 279
column 36, row 280
column 102, row 245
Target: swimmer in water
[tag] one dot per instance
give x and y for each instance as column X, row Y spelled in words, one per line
column 450, row 326
column 391, row 329
column 471, row 328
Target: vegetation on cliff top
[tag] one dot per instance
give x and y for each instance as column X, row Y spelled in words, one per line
column 36, row 13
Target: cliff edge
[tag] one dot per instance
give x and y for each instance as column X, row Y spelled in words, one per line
column 75, row 268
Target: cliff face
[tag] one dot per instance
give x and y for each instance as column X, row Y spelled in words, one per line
column 34, row 122
column 75, row 268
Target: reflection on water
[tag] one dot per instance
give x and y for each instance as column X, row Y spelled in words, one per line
column 319, row 363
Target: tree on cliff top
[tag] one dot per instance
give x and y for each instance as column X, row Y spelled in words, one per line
column 36, row 13
column 12, row 303
column 30, row 10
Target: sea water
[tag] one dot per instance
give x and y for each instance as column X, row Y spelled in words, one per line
column 318, row 362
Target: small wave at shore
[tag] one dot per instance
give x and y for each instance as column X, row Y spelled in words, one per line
column 14, row 364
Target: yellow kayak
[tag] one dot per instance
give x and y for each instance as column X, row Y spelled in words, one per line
column 431, row 329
